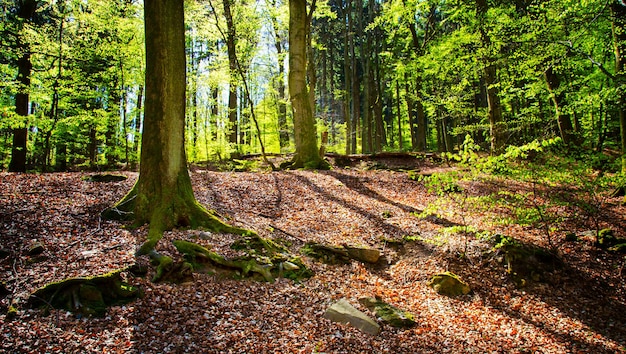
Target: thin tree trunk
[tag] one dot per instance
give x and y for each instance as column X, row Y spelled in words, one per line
column 399, row 113
column 618, row 10
column 563, row 120
column 231, row 46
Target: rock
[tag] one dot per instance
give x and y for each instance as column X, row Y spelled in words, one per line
column 607, row 240
column 340, row 254
column 367, row 255
column 389, row 313
column 35, row 249
column 527, row 263
column 449, row 284
column 290, row 266
column 342, row 311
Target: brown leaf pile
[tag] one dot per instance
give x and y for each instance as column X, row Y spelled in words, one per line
column 580, row 309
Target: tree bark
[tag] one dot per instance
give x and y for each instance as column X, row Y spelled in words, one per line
column 283, row 131
column 26, row 12
column 496, row 122
column 618, row 10
column 232, row 68
column 563, row 119
column 163, row 195
column 307, row 152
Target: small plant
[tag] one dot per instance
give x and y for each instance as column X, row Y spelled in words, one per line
column 440, row 183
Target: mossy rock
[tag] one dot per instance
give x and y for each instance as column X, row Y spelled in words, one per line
column 527, row 263
column 607, row 240
column 326, row 254
column 88, row 296
column 449, row 284
column 340, row 254
column 389, row 313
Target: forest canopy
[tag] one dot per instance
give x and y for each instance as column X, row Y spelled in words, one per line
column 413, row 75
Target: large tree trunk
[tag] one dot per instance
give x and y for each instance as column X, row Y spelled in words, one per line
column 163, row 196
column 307, row 153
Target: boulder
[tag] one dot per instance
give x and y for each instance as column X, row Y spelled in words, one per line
column 449, row 284
column 388, row 313
column 343, row 312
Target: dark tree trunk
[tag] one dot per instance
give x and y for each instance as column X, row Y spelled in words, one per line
column 618, row 10
column 231, row 46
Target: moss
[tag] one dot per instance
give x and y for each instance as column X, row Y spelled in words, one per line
column 525, row 263
column 11, row 313
column 449, row 284
column 326, row 254
column 268, row 266
column 88, row 295
column 389, row 313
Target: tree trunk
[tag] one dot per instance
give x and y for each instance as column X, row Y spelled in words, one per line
column 138, row 121
column 307, row 152
column 347, row 98
column 618, row 10
column 558, row 99
column 283, row 131
column 399, row 113
column 232, row 68
column 410, row 108
column 496, row 122
column 20, row 135
column 163, row 195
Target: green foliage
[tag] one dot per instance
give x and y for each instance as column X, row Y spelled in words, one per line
column 504, row 164
column 439, row 183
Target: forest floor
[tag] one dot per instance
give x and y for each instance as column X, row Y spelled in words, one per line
column 579, row 307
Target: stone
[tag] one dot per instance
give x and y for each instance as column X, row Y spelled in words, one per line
column 362, row 254
column 35, row 249
column 343, row 312
column 290, row 266
column 388, row 313
column 449, row 284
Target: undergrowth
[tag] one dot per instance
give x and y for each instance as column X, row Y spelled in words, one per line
column 553, row 185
